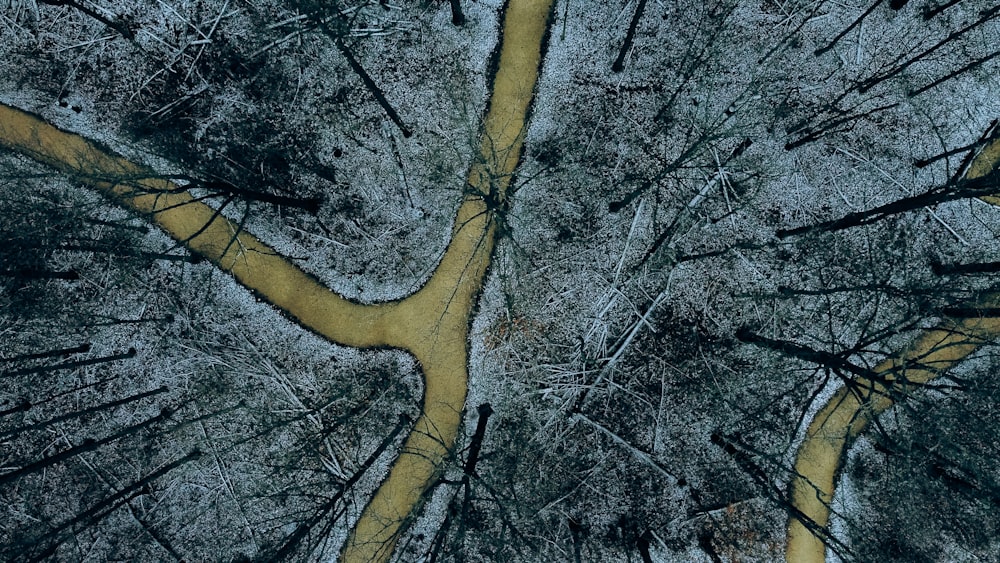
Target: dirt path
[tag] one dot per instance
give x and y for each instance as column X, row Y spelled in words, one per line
column 432, row 324
column 848, row 412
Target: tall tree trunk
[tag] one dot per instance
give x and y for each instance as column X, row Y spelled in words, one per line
column 619, row 63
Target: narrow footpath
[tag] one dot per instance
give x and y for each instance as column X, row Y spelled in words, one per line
column 849, row 411
column 432, row 324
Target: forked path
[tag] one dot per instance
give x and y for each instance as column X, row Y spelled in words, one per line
column 432, row 324
column 846, row 415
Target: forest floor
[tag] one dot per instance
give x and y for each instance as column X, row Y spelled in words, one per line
column 432, row 324
column 849, row 411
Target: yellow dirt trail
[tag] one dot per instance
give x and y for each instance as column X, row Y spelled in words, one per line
column 432, row 324
column 846, row 415
column 442, row 309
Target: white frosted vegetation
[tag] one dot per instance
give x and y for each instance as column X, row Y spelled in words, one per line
column 573, row 284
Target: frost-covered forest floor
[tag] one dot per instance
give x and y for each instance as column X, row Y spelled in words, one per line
column 651, row 272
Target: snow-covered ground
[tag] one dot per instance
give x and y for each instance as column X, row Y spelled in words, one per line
column 643, row 228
